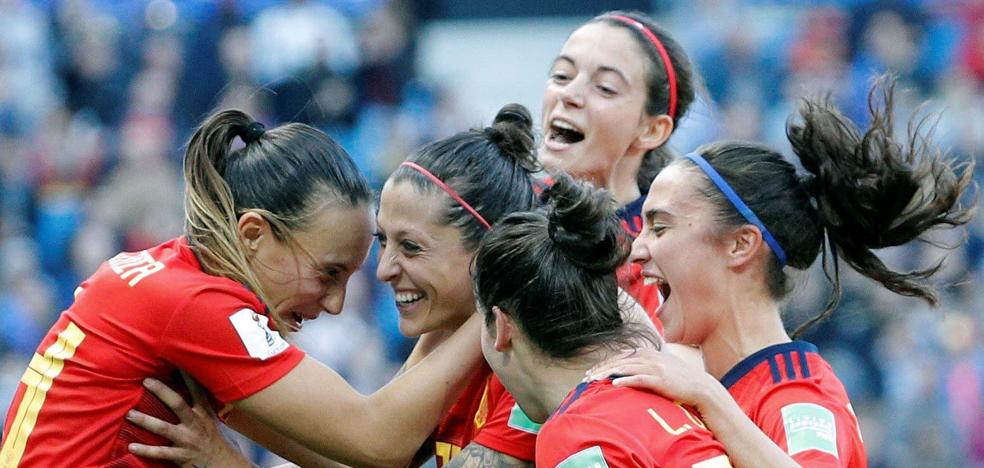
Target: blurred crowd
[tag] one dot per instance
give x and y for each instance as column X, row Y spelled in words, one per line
column 98, row 97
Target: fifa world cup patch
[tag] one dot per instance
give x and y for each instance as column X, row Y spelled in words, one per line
column 809, row 427
column 254, row 330
column 590, row 457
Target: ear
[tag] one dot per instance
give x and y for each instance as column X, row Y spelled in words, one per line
column 253, row 230
column 655, row 130
column 505, row 330
column 744, row 245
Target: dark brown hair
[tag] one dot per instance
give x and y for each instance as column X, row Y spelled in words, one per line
column 489, row 168
column 553, row 270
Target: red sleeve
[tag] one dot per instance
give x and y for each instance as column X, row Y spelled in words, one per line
column 223, row 343
column 507, row 429
column 814, row 430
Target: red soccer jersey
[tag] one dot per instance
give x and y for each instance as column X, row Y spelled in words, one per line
column 143, row 314
column 792, row 394
column 599, row 425
column 487, row 415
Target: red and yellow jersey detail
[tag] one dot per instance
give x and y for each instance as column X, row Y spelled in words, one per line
column 484, row 414
column 143, row 314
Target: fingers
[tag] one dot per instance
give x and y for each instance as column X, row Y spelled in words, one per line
column 170, row 398
column 161, row 453
column 197, row 394
column 629, row 366
column 155, row 425
column 646, row 382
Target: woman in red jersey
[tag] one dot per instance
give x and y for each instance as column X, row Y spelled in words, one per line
column 545, row 282
column 433, row 211
column 616, row 92
column 273, row 232
column 459, row 188
column 722, row 223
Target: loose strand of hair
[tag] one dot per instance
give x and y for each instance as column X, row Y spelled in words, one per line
column 833, row 278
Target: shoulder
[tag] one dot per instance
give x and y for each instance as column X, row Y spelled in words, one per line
column 629, row 426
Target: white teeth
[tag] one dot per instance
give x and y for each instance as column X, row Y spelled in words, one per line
column 648, row 281
column 564, row 125
column 406, row 298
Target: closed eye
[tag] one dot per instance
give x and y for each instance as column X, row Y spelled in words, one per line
column 411, row 248
column 607, row 90
column 559, row 77
column 657, row 229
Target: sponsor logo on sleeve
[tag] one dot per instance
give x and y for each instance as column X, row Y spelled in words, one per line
column 588, row 458
column 254, row 330
column 809, row 427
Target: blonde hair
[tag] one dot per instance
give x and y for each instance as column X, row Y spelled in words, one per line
column 222, row 184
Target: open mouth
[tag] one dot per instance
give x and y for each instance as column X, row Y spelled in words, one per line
column 661, row 284
column 564, row 132
column 296, row 322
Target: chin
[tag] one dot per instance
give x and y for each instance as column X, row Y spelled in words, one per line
column 410, row 329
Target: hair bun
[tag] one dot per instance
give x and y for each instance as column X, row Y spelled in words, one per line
column 251, row 132
column 582, row 223
column 512, row 133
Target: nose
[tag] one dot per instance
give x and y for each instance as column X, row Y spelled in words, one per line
column 387, row 270
column 640, row 251
column 333, row 300
column 572, row 94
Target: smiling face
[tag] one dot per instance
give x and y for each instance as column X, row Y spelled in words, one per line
column 681, row 249
column 594, row 104
column 423, row 260
column 304, row 278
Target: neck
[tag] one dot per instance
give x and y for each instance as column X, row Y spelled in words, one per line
column 622, row 180
column 549, row 385
column 748, row 322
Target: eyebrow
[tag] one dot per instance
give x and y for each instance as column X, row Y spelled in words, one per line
column 601, row 68
column 650, row 215
column 563, row 58
column 607, row 69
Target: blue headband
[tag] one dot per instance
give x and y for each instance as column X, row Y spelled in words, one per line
column 739, row 205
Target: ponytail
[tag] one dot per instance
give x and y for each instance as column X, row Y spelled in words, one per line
column 873, row 191
column 211, row 221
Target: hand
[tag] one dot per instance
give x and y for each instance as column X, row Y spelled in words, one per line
column 659, row 372
column 198, row 441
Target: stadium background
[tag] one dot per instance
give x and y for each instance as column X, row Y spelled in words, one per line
column 97, row 98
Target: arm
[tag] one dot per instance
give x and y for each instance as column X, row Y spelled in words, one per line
column 197, row 439
column 663, row 373
column 475, row 455
column 316, row 407
column 277, row 443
